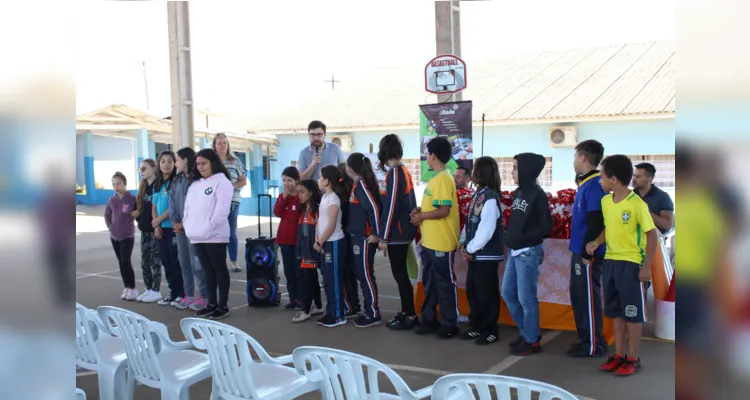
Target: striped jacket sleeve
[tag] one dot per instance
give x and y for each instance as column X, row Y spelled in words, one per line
column 390, row 204
column 370, row 206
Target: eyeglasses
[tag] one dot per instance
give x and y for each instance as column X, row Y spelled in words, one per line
column 317, row 134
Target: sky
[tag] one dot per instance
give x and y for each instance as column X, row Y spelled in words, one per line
column 251, row 59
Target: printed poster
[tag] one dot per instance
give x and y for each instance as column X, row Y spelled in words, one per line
column 452, row 121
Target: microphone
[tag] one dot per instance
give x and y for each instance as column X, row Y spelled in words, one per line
column 317, row 149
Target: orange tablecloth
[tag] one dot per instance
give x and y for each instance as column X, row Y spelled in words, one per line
column 555, row 311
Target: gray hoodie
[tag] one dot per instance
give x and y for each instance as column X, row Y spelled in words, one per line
column 177, row 198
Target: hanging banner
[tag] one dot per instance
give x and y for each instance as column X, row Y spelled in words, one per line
column 452, row 121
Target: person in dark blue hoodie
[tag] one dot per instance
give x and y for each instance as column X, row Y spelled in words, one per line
column 529, row 223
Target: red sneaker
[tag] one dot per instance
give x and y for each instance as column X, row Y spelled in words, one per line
column 612, row 364
column 629, row 367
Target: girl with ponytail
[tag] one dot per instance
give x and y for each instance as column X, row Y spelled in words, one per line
column 363, row 227
column 330, row 242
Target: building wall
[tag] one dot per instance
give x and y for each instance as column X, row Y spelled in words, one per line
column 624, row 137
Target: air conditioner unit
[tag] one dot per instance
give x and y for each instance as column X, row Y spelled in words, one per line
column 563, row 136
column 343, row 141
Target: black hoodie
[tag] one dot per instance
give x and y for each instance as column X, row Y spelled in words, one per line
column 530, row 218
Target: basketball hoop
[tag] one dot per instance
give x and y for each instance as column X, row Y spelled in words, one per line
column 445, row 74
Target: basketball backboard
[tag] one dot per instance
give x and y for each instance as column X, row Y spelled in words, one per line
column 445, row 74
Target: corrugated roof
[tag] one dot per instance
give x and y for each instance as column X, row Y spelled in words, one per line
column 611, row 81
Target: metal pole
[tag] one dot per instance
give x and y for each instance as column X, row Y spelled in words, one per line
column 448, row 36
column 145, row 84
column 180, row 74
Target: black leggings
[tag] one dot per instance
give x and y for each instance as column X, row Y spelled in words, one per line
column 213, row 258
column 309, row 288
column 397, row 255
column 124, row 251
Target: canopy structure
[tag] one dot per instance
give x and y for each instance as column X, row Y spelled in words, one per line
column 119, row 120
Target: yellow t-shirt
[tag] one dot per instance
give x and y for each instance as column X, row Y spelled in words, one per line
column 625, row 227
column 440, row 234
column 702, row 229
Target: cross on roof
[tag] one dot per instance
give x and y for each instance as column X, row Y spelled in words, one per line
column 333, row 82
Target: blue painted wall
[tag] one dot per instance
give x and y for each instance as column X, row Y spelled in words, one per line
column 624, row 137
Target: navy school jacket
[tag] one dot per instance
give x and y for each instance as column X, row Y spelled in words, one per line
column 306, row 237
column 364, row 214
column 398, row 203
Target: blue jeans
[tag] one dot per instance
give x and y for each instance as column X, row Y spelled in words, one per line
column 192, row 271
column 519, row 291
column 233, row 246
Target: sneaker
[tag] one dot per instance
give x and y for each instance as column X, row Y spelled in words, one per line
column 365, row 322
column 315, row 310
column 166, row 301
column 516, row 342
column 142, row 295
column 628, row 367
column 427, row 327
column 403, row 323
column 448, row 332
column 124, row 294
column 198, row 304
column 290, row 307
column 178, row 300
column 486, row 339
column 395, row 319
column 322, row 319
column 580, row 350
column 185, row 303
column 331, row 322
column 132, row 295
column 152, row 297
column 612, row 364
column 236, row 268
column 352, row 314
column 301, row 317
column 219, row 313
column 471, row 334
column 206, row 311
column 526, row 348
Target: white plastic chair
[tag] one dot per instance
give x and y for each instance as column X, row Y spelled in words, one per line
column 153, row 358
column 80, row 394
column 98, row 350
column 459, row 387
column 326, row 366
column 236, row 375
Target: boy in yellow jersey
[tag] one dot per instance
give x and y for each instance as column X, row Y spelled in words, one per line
column 630, row 235
column 438, row 221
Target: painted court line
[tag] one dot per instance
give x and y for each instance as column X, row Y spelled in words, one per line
column 509, row 361
column 98, row 274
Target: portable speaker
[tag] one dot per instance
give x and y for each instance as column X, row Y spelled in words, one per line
column 262, row 267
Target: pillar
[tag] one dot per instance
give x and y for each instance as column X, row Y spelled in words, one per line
column 448, row 36
column 152, row 149
column 142, row 150
column 255, row 175
column 88, row 166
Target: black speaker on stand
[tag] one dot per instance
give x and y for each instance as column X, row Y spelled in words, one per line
column 262, row 266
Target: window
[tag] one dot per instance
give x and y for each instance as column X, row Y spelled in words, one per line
column 293, row 163
column 412, row 164
column 506, row 173
column 664, row 164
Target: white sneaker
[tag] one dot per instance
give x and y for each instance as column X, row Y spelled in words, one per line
column 152, row 297
column 132, row 295
column 124, row 294
column 142, row 295
column 315, row 310
column 301, row 317
column 176, row 302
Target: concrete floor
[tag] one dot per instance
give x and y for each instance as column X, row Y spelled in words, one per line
column 419, row 360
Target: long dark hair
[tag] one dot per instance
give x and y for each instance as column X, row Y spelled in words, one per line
column 187, row 154
column 347, row 179
column 217, row 166
column 487, row 174
column 315, row 195
column 160, row 175
column 336, row 179
column 390, row 148
column 144, row 184
column 362, row 166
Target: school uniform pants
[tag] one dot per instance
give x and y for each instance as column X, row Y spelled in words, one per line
column 291, row 265
column 213, row 258
column 440, row 287
column 586, row 300
column 170, row 260
column 309, row 286
column 333, row 260
column 351, row 291
column 483, row 293
column 363, row 257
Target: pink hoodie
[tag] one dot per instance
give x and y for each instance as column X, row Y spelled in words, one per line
column 207, row 206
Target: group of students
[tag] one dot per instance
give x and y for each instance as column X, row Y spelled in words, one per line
column 186, row 211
